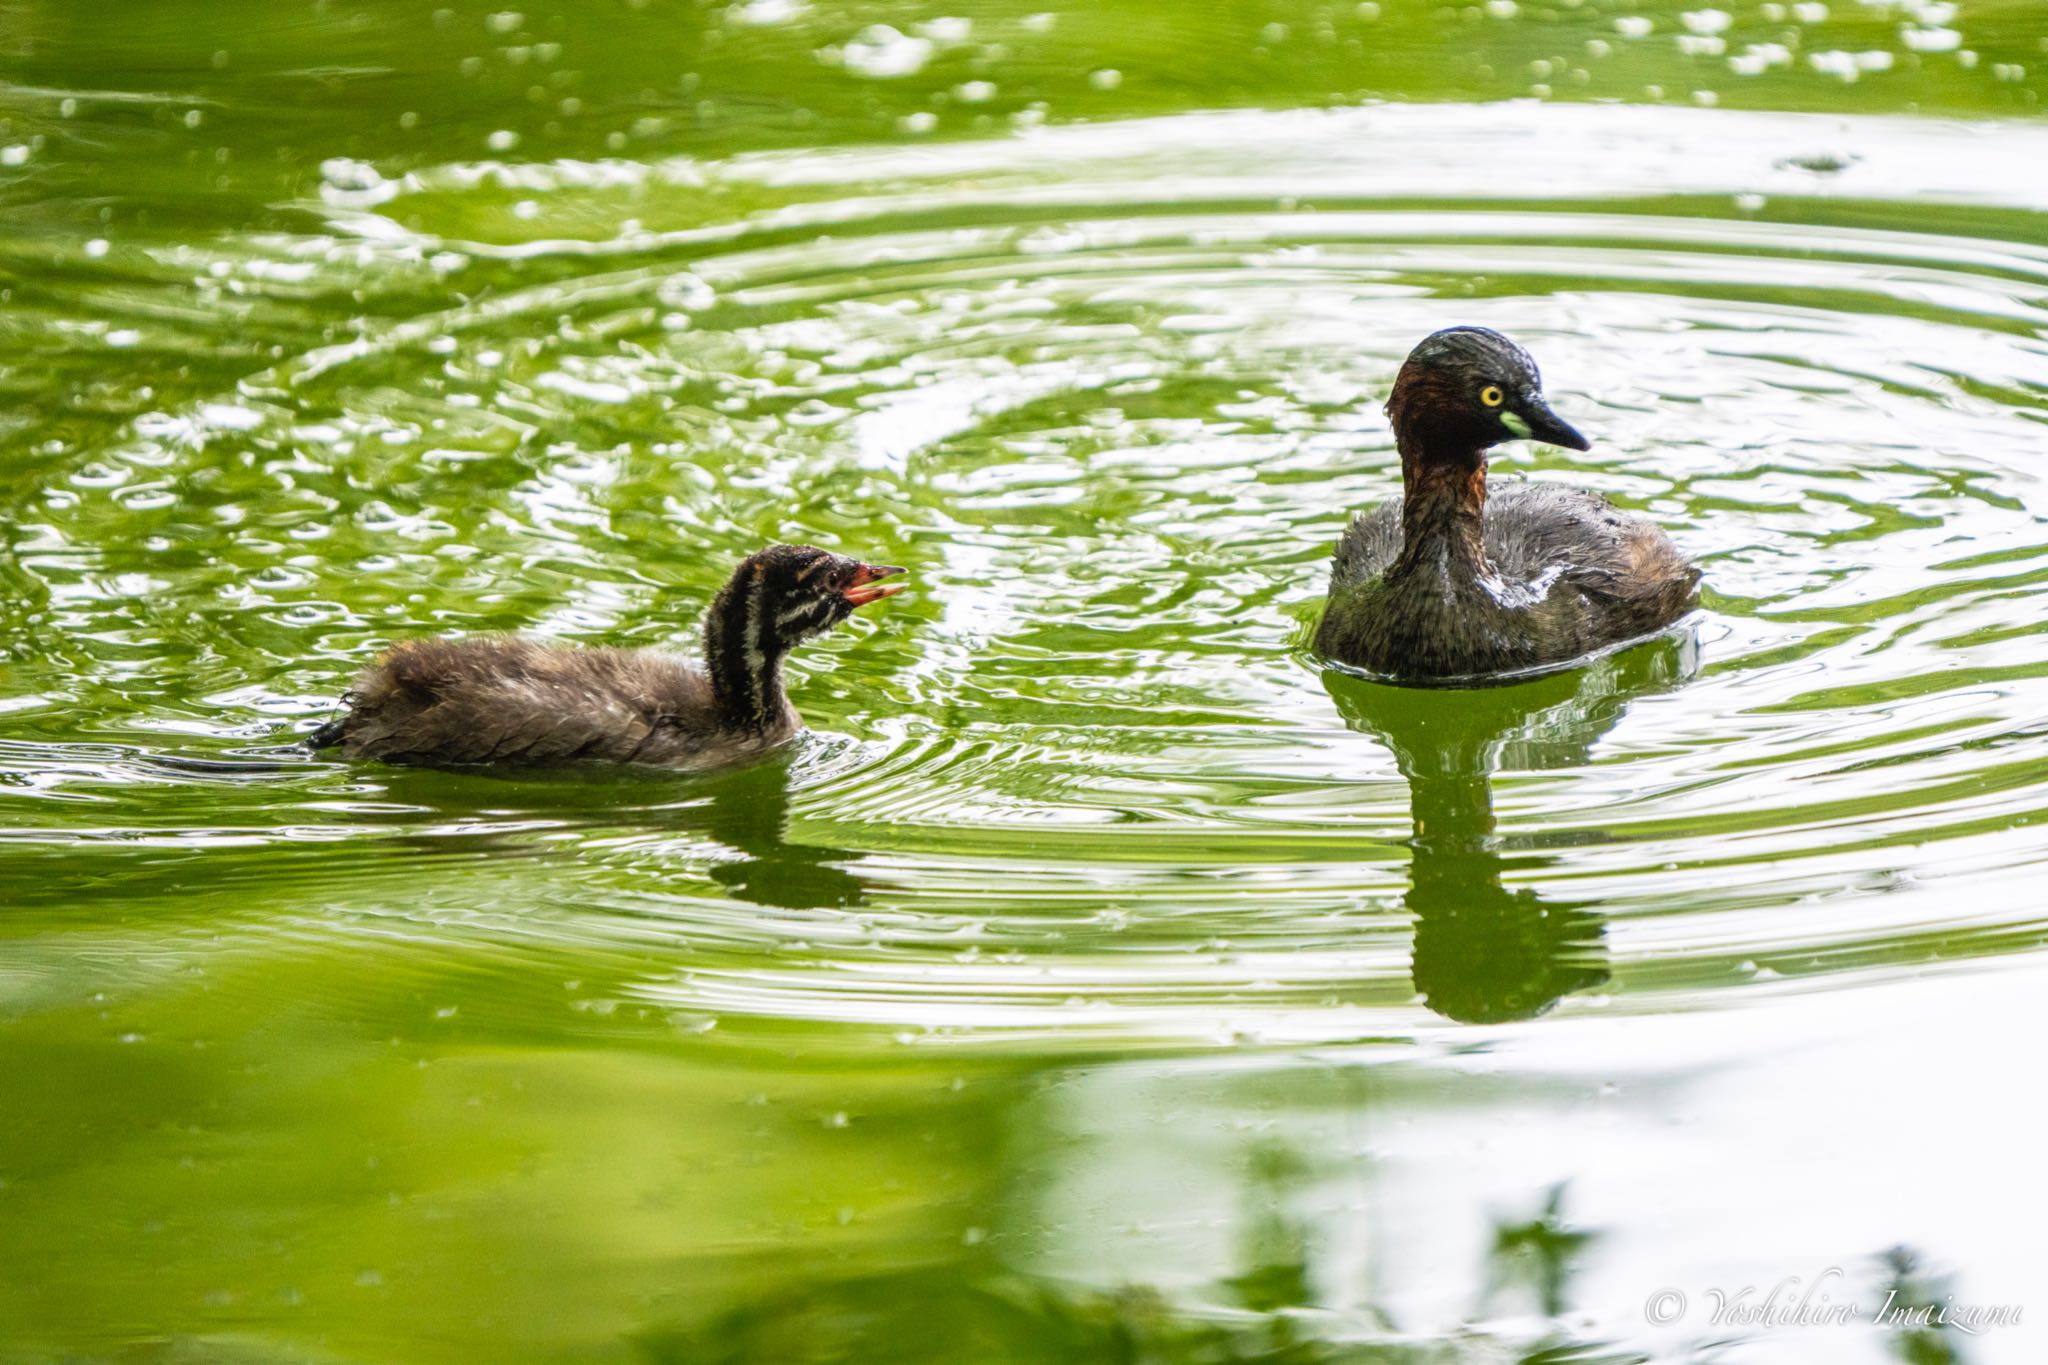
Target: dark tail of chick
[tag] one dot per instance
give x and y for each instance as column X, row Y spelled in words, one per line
column 328, row 735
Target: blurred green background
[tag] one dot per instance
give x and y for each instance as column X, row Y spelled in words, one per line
column 1101, row 980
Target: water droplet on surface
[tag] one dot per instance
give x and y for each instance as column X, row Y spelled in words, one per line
column 884, row 53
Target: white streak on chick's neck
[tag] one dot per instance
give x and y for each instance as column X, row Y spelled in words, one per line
column 756, row 656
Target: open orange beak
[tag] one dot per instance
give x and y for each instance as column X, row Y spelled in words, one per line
column 865, row 589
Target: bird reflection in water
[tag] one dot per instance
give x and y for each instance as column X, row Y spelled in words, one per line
column 748, row 812
column 1485, row 953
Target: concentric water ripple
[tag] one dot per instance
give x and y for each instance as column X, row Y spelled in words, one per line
column 1111, row 392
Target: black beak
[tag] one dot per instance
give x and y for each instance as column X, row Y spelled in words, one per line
column 1546, row 426
column 864, row 588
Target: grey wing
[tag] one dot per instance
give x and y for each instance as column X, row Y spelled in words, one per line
column 1612, row 555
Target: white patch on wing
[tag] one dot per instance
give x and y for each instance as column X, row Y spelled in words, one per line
column 1520, row 595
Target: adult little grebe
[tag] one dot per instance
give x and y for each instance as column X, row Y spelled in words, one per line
column 1471, row 575
column 443, row 703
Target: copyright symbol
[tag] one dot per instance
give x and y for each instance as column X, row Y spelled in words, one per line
column 1664, row 1307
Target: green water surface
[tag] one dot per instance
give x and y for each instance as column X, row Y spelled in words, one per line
column 1101, row 979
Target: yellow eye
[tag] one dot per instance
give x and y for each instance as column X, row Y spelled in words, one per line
column 1492, row 396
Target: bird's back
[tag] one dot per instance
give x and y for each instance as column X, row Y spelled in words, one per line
column 518, row 701
column 1572, row 574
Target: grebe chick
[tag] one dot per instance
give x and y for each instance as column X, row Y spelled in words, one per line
column 507, row 700
column 1468, row 575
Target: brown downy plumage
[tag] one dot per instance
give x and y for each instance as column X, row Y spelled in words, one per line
column 449, row 703
column 1469, row 575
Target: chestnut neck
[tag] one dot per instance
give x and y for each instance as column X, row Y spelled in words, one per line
column 743, row 654
column 1443, row 499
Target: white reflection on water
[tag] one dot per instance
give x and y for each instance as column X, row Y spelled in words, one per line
column 1698, row 1150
